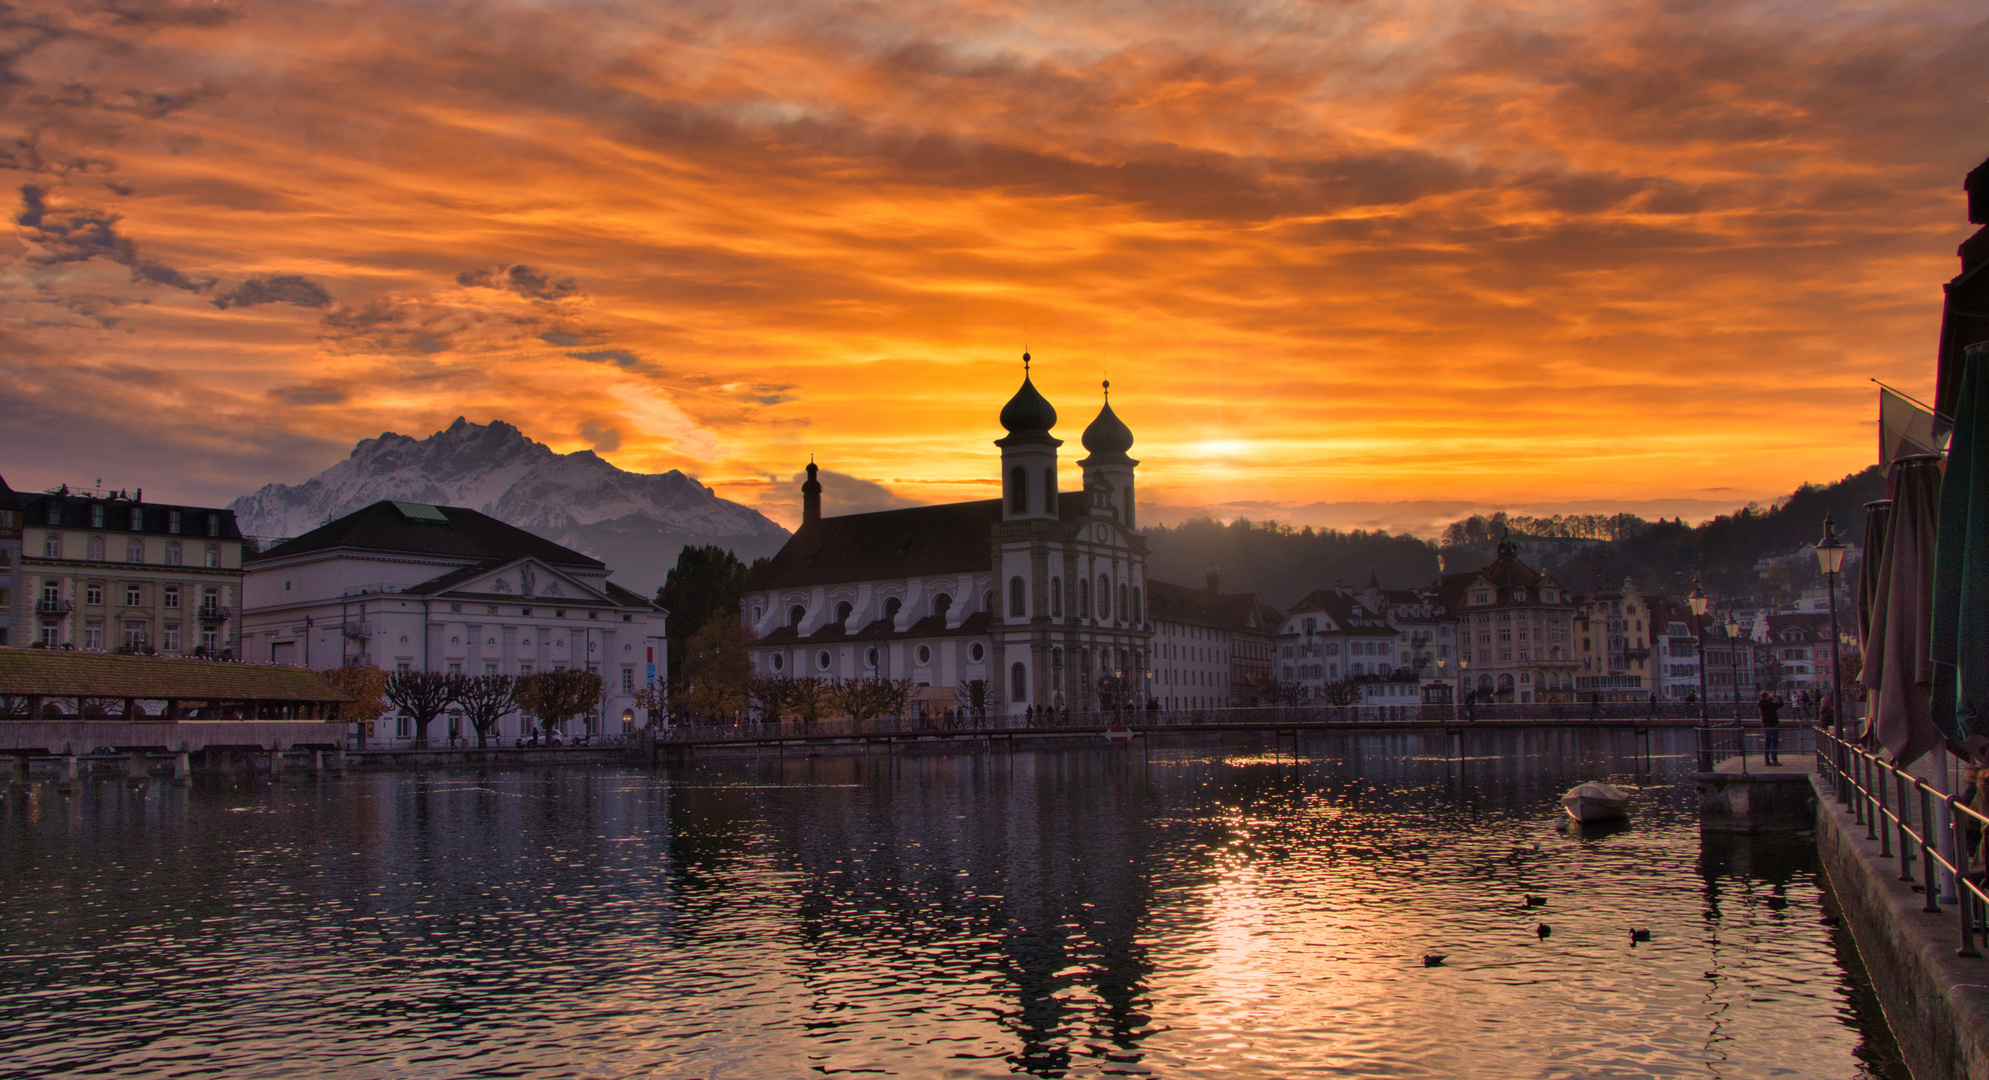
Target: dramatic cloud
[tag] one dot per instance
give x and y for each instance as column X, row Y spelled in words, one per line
column 278, row 289
column 1346, row 254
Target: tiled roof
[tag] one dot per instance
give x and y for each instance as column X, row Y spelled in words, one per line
column 1169, row 602
column 57, row 673
column 153, row 518
column 920, row 541
column 1343, row 610
column 467, row 534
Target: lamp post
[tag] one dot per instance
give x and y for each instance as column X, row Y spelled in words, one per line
column 1699, row 603
column 1830, row 559
column 1463, row 680
column 1733, row 659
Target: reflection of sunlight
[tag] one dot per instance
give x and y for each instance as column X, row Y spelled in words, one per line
column 1237, row 968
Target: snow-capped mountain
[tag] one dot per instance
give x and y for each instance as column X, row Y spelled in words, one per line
column 635, row 522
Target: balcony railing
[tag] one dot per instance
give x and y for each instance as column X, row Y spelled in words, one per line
column 52, row 607
column 359, row 630
column 213, row 613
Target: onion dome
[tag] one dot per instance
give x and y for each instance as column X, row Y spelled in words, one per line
column 1028, row 411
column 1108, row 435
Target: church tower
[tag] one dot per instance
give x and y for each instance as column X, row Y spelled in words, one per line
column 1108, row 468
column 1028, row 455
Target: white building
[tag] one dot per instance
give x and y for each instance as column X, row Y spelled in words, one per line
column 1330, row 638
column 1039, row 595
column 1675, row 662
column 412, row 587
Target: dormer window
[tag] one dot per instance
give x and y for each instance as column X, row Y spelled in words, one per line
column 1519, row 595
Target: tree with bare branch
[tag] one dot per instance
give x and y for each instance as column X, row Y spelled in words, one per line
column 485, row 699
column 421, row 696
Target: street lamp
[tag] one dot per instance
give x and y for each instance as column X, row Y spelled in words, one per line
column 1733, row 659
column 1699, row 603
column 1830, row 559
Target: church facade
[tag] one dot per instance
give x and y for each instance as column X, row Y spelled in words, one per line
column 1034, row 600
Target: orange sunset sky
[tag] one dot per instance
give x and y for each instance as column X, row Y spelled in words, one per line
column 1521, row 254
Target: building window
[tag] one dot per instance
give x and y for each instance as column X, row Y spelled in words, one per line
column 214, row 524
column 870, row 658
column 843, row 611
column 1083, row 598
column 795, row 614
column 134, row 551
column 93, row 594
column 1018, row 490
column 210, row 642
column 628, row 680
column 778, row 661
column 172, row 521
column 93, row 635
column 1104, row 598
column 134, row 596
column 173, row 553
column 172, row 597
column 134, row 636
column 213, row 556
column 1056, row 598
column 96, row 516
column 925, row 654
column 169, row 639
column 1017, row 598
column 942, row 604
column 1018, row 683
column 95, row 549
column 137, row 519
column 48, row 635
column 975, row 652
column 822, row 660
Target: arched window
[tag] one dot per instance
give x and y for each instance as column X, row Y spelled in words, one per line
column 1122, row 603
column 1018, row 683
column 1104, row 598
column 843, row 611
column 1083, row 598
column 1050, row 491
column 1017, row 598
column 941, row 604
column 795, row 614
column 1056, row 598
column 891, row 607
column 1018, row 490
column 1136, row 603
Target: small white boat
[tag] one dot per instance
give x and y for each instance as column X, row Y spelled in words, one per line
column 1595, row 801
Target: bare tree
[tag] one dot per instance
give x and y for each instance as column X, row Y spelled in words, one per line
column 485, row 699
column 863, row 699
column 976, row 701
column 421, row 695
column 558, row 696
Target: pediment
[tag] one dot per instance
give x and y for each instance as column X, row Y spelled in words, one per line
column 528, row 580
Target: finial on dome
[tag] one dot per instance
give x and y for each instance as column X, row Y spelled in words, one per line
column 1025, row 363
column 1107, row 384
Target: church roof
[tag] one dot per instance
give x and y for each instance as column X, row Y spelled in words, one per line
column 920, row 541
column 461, row 534
column 1108, row 436
column 1028, row 410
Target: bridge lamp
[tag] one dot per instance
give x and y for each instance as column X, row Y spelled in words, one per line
column 1830, row 560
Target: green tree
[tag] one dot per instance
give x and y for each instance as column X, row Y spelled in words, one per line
column 863, row 699
column 555, row 697
column 704, row 585
column 421, row 696
column 717, row 669
column 485, row 699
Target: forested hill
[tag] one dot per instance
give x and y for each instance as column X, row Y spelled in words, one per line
column 1280, row 563
column 1668, row 554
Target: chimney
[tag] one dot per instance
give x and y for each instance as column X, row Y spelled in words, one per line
column 811, row 497
column 1215, row 580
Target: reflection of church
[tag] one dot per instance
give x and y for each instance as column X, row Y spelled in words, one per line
column 1038, row 596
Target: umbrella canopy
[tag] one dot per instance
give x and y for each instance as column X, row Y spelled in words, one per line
column 1896, row 663
column 1960, row 647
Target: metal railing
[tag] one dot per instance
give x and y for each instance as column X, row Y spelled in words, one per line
column 1898, row 809
column 1750, row 742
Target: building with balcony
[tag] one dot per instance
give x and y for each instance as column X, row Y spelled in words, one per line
column 1515, row 630
column 1613, row 629
column 109, row 572
column 412, row 587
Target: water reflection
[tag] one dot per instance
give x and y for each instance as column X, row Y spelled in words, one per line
column 1177, row 909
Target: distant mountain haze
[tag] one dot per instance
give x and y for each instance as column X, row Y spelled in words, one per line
column 635, row 522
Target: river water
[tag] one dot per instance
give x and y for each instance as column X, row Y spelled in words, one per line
column 1181, row 909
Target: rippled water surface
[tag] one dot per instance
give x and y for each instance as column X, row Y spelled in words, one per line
column 1179, row 909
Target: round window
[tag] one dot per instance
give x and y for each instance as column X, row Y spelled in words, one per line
column 870, row 658
column 403, row 639
column 490, row 641
column 975, row 653
column 779, row 661
column 455, row 641
column 527, row 643
column 925, row 654
column 822, row 660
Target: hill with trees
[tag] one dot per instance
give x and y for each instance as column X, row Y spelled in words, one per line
column 1281, row 563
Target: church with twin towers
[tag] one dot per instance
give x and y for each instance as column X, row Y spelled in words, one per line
column 1038, row 596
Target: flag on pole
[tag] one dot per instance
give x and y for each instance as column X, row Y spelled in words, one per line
column 1907, row 427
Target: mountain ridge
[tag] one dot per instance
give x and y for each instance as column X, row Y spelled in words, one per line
column 635, row 522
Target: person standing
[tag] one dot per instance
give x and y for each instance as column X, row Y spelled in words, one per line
column 1771, row 725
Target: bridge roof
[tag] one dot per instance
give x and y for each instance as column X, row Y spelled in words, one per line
column 59, row 673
